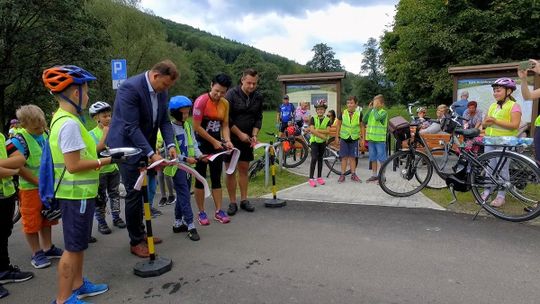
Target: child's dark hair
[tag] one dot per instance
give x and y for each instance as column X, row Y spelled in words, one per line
column 223, row 80
column 353, row 98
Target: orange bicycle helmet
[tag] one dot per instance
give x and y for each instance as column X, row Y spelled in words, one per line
column 59, row 78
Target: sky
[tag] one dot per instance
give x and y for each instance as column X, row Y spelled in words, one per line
column 287, row 27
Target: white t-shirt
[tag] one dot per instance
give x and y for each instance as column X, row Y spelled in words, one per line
column 69, row 137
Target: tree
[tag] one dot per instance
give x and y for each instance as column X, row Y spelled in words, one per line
column 374, row 81
column 323, row 59
column 429, row 36
column 248, row 59
column 38, row 34
column 268, row 86
column 371, row 63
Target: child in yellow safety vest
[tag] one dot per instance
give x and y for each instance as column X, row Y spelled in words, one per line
column 376, row 120
column 188, row 152
column 349, row 131
column 502, row 119
column 29, row 140
column 76, row 175
column 10, row 162
column 109, row 176
column 319, row 127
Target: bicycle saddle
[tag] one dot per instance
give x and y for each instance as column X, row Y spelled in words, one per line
column 468, row 133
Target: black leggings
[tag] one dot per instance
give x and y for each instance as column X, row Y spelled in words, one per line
column 216, row 167
column 317, row 152
column 7, row 208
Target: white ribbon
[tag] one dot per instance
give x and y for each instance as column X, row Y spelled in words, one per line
column 234, row 159
column 181, row 166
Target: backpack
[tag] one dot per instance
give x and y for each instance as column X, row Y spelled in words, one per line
column 46, row 188
column 400, row 128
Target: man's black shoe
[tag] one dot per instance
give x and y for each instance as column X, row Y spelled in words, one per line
column 193, row 235
column 246, row 205
column 92, row 239
column 233, row 208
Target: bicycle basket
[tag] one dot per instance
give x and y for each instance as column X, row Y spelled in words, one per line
column 448, row 125
column 400, row 128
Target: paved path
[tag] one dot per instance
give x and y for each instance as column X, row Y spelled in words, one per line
column 315, row 253
column 350, row 192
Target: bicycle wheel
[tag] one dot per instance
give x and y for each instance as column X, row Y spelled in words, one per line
column 405, row 173
column 331, row 157
column 445, row 162
column 521, row 185
column 296, row 154
column 255, row 167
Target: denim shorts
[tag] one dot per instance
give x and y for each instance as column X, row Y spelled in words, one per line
column 77, row 217
column 348, row 149
column 377, row 151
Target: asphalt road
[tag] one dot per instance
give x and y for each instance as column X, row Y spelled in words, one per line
column 315, row 253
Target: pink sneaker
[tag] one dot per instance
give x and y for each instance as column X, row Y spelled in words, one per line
column 355, row 178
column 341, row 179
column 485, row 196
column 203, row 219
column 498, row 201
column 321, row 181
column 312, row 182
column 221, row 217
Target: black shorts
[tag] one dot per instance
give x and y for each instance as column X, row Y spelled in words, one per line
column 246, row 151
column 283, row 126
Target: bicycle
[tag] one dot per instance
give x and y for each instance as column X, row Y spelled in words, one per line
column 295, row 155
column 408, row 171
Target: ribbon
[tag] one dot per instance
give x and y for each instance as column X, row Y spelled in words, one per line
column 234, row 159
column 181, row 166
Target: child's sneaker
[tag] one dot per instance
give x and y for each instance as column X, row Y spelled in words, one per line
column 103, row 228
column 54, row 252
column 14, row 275
column 355, row 178
column 498, row 201
column 341, row 179
column 485, row 195
column 171, row 200
column 179, row 226
column 312, row 182
column 72, row 300
column 162, row 202
column 39, row 260
column 193, row 235
column 119, row 222
column 321, row 181
column 372, row 179
column 154, row 212
column 89, row 289
column 221, row 217
column 203, row 219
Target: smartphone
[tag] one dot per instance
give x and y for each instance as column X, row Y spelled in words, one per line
column 526, row 65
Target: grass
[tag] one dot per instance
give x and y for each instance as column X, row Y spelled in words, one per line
column 465, row 204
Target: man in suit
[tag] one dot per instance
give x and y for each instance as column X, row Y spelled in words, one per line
column 140, row 109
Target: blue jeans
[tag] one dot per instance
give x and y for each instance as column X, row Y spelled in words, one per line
column 182, row 208
column 151, row 188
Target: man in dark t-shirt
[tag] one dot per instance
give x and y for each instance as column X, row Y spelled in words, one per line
column 245, row 120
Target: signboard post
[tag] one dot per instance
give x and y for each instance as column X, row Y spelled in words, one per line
column 119, row 72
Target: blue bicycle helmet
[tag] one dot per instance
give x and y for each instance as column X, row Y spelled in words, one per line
column 178, row 102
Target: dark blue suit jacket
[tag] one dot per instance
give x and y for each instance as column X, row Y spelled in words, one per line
column 131, row 124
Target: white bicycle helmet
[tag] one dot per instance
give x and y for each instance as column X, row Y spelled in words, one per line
column 99, row 107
